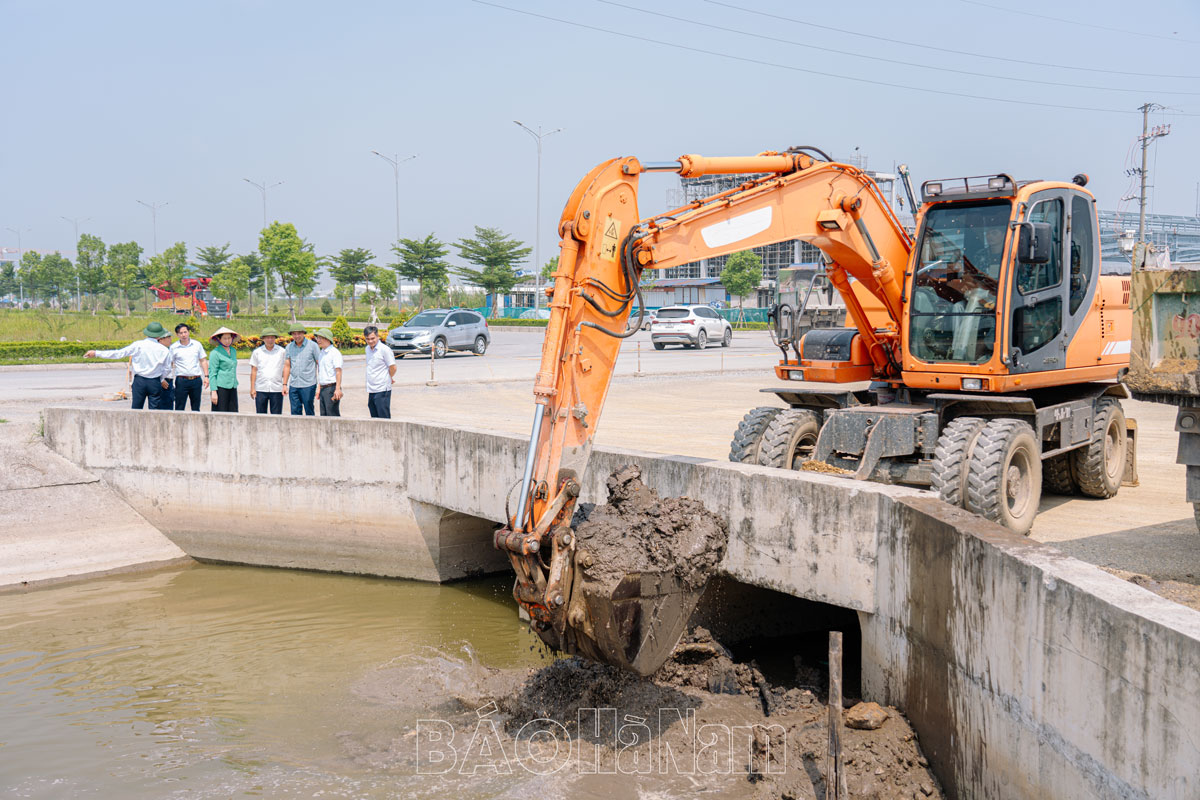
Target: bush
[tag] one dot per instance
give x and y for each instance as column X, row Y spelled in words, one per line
column 326, row 307
column 32, row 351
column 514, row 323
column 343, row 335
column 192, row 323
column 234, row 309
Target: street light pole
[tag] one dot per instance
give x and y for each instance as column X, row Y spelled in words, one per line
column 537, row 236
column 396, row 162
column 263, row 187
column 75, row 221
column 20, row 277
column 154, row 207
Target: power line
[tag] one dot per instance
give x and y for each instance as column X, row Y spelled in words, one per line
column 724, row 29
column 759, row 62
column 1122, row 31
column 944, row 50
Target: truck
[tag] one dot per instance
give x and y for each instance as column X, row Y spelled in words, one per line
column 196, row 298
column 1164, row 361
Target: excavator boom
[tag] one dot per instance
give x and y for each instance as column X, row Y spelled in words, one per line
column 605, row 247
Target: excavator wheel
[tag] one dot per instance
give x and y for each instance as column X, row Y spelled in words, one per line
column 748, row 437
column 1099, row 467
column 1004, row 476
column 952, row 457
column 789, row 439
column 1057, row 476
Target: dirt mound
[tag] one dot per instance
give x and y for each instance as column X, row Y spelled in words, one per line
column 638, row 531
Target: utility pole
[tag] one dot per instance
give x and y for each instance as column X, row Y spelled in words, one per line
column 396, row 162
column 537, row 227
column 263, row 187
column 75, row 221
column 20, row 277
column 154, row 207
column 1148, row 135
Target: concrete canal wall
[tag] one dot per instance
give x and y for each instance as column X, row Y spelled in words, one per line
column 1027, row 674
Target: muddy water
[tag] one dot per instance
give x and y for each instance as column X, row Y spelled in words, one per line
column 211, row 681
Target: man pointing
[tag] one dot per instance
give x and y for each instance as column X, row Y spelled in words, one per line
column 149, row 360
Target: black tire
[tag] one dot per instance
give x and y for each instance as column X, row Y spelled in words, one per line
column 1099, row 466
column 439, row 348
column 952, row 457
column 480, row 345
column 1057, row 476
column 789, row 439
column 659, row 345
column 748, row 437
column 1004, row 478
column 702, row 339
column 727, row 339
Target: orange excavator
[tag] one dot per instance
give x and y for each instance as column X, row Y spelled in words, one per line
column 983, row 358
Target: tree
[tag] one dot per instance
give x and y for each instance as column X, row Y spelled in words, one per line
column 27, row 273
column 351, row 267
column 742, row 274
column 422, row 260
column 549, row 268
column 288, row 257
column 232, row 282
column 497, row 256
column 123, row 269
column 341, row 291
column 212, row 259
column 326, row 307
column 384, row 281
column 167, row 269
column 90, row 266
column 8, row 279
column 259, row 281
column 54, row 277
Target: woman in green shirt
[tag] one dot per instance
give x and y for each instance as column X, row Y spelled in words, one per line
column 222, row 370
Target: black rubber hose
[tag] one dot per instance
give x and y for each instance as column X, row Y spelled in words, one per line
column 811, row 150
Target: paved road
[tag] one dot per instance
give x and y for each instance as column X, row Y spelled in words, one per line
column 684, row 405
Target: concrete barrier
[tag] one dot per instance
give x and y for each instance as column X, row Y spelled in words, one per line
column 1026, row 673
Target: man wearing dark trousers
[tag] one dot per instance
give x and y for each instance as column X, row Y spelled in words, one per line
column 148, row 358
column 381, row 374
column 300, row 371
column 329, row 375
column 190, row 363
column 166, row 397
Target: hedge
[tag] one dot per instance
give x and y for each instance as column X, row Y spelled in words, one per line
column 32, row 350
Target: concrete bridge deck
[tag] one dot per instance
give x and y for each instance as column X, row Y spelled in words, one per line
column 1026, row 673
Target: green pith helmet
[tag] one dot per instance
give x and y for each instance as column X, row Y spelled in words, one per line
column 268, row 332
column 326, row 334
column 296, row 326
column 155, row 330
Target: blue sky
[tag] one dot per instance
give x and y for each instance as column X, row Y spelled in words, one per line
column 110, row 103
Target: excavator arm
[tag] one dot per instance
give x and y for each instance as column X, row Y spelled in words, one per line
column 605, row 247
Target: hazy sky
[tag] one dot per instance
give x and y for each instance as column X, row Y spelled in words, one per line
column 109, row 103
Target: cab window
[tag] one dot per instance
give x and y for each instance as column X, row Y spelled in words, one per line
column 1036, row 277
column 1082, row 242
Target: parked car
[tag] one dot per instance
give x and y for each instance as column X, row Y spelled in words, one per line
column 439, row 330
column 690, row 326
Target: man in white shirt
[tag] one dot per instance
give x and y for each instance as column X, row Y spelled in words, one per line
column 381, row 374
column 266, row 374
column 148, row 359
column 190, row 364
column 166, row 398
column 329, row 375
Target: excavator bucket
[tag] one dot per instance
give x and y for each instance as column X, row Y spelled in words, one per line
column 633, row 623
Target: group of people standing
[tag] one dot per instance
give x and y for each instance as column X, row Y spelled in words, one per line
column 169, row 374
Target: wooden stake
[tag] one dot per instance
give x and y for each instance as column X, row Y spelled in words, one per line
column 835, row 777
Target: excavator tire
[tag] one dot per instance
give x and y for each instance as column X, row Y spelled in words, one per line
column 789, row 438
column 748, row 437
column 1099, row 467
column 1057, row 476
column 952, row 457
column 1004, row 476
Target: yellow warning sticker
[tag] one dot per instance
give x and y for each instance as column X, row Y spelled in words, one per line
column 611, row 239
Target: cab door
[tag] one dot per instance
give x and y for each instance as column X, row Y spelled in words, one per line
column 1039, row 293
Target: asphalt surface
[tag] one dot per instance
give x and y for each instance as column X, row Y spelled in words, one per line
column 683, row 404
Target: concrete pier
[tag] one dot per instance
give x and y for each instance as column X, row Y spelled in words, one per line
column 1026, row 673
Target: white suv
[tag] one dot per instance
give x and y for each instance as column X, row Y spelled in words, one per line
column 690, row 326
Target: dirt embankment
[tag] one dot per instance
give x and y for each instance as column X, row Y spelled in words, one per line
column 704, row 722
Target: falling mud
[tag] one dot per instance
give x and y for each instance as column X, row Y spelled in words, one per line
column 812, row 465
column 637, row 531
column 704, row 723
